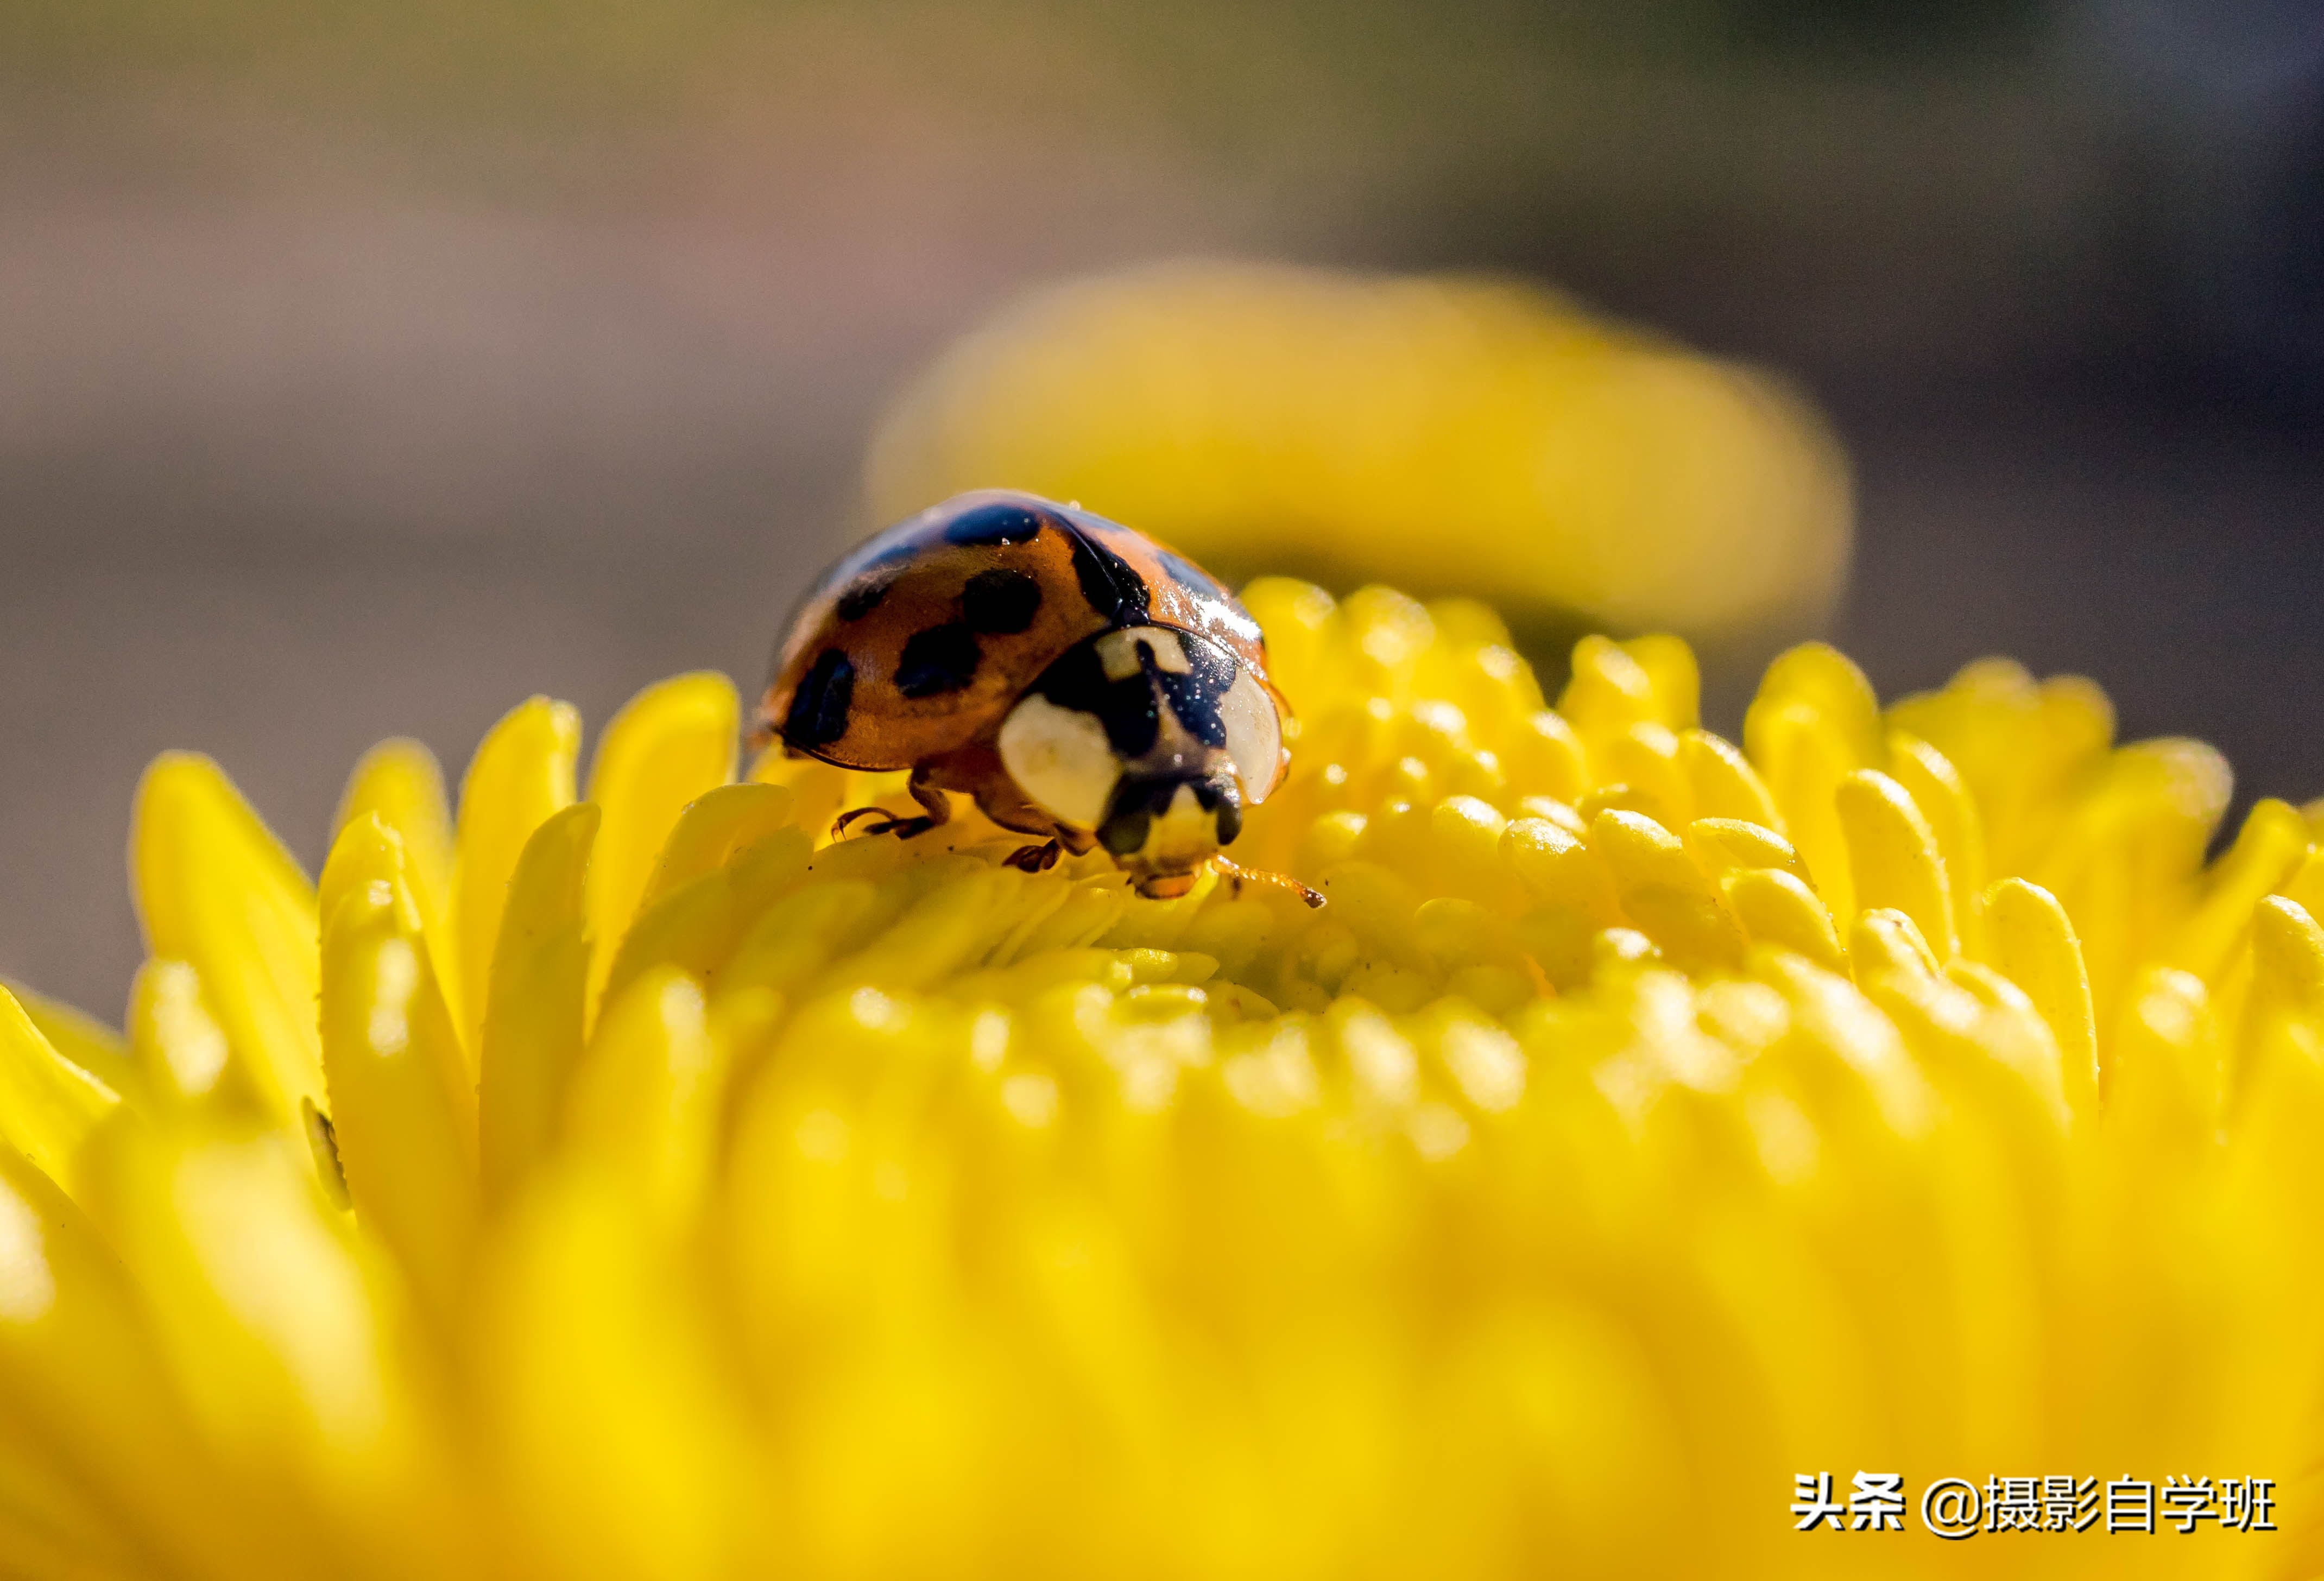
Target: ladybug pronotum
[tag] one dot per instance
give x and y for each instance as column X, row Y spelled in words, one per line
column 1077, row 680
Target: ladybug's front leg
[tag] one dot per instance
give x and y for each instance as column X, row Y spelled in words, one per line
column 1040, row 859
column 938, row 805
column 1032, row 859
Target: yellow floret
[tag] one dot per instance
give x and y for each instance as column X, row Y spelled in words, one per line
column 649, row 1186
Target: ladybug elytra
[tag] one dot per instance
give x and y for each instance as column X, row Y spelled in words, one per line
column 1078, row 681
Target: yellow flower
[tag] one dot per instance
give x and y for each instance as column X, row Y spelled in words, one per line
column 1643, row 1123
column 1445, row 435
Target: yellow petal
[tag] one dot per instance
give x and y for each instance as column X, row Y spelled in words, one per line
column 2306, row 884
column 1803, row 756
column 1296, row 616
column 1664, row 893
column 1813, row 721
column 1609, row 691
column 2164, row 1087
column 520, row 775
column 644, row 1104
column 2268, row 852
column 1645, row 758
column 1547, row 757
column 1883, row 942
column 2034, row 947
column 1672, row 679
column 2011, row 1032
column 78, row 1375
column 539, row 985
column 695, row 930
column 713, row 829
column 1828, row 683
column 82, row 1038
column 1465, row 834
column 1264, row 415
column 1720, row 845
column 1835, row 1019
column 1724, row 782
column 216, row 891
column 1893, row 857
column 907, row 1214
column 402, row 1103
column 1775, row 907
column 53, row 1528
column 615, row 1431
column 696, row 924
column 49, row 1106
column 1576, row 893
column 790, row 943
column 2127, row 858
column 2289, row 946
column 400, row 783
column 2287, row 985
column 2022, row 748
column 181, row 1050
column 1558, row 868
column 282, row 1348
column 940, row 934
column 672, row 742
column 1941, row 796
column 1641, row 853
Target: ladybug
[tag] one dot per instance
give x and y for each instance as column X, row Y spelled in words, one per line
column 1077, row 680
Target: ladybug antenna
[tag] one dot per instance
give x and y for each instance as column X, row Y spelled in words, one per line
column 1238, row 875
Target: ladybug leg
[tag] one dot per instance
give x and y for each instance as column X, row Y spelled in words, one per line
column 839, row 825
column 1033, row 858
column 938, row 812
column 936, row 805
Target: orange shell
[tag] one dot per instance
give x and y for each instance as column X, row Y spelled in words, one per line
column 929, row 667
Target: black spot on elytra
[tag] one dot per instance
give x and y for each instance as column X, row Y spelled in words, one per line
column 940, row 659
column 1110, row 582
column 989, row 525
column 1001, row 601
column 1127, row 707
column 818, row 711
column 862, row 599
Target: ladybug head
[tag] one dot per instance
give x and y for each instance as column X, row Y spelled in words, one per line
column 1162, row 828
column 1153, row 738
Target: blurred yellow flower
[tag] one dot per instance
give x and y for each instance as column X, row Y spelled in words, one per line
column 1445, row 435
column 1645, row 1124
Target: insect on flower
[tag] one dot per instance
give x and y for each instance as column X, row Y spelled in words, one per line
column 1079, row 681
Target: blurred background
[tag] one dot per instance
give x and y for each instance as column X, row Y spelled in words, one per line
column 365, row 368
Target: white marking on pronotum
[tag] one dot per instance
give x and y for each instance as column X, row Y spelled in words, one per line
column 1060, row 757
column 1254, row 735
